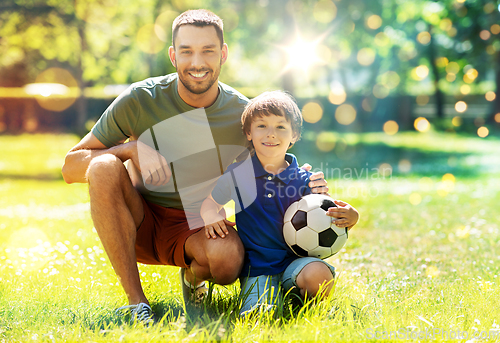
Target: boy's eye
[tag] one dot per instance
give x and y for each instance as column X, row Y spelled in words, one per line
column 261, row 125
column 281, row 127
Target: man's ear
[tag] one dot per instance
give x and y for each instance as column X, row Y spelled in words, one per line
column 171, row 54
column 225, row 51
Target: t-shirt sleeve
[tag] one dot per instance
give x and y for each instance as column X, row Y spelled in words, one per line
column 222, row 190
column 119, row 120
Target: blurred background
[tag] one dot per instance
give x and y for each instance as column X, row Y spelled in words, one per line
column 355, row 67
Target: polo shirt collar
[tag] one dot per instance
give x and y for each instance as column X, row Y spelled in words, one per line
column 285, row 176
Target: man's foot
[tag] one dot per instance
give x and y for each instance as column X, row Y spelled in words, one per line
column 139, row 313
column 192, row 295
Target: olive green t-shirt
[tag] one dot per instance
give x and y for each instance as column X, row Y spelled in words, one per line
column 154, row 107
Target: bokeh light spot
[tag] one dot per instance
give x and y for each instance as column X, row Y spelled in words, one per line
column 442, row 62
column 490, row 96
column 385, row 169
column 452, row 68
column 324, row 11
column 390, row 79
column 497, row 117
column 421, row 72
column 495, row 29
column 456, row 121
column 483, row 132
column 97, row 11
column 312, row 112
column 381, row 39
column 404, row 166
column 415, row 199
column 424, row 38
column 337, row 94
column 148, row 41
column 326, row 141
column 366, row 56
column 422, row 99
column 373, row 22
column 381, row 91
column 391, row 127
column 345, row 114
column 163, row 25
column 55, row 89
column 368, row 104
column 485, row 34
column 465, row 89
column 450, row 77
column 421, row 124
column 461, row 106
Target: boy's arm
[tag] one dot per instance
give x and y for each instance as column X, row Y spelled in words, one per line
column 214, row 221
column 345, row 214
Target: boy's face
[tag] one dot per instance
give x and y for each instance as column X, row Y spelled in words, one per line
column 271, row 136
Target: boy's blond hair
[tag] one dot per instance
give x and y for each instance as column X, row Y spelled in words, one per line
column 276, row 103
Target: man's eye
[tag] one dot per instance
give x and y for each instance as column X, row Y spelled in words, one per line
column 208, row 51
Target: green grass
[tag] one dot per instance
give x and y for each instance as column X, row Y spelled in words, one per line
column 424, row 256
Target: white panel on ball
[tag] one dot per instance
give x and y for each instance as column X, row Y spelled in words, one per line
column 289, row 233
column 318, row 220
column 290, row 211
column 320, row 252
column 339, row 243
column 307, row 239
column 339, row 230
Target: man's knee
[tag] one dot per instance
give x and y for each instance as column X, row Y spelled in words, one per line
column 226, row 258
column 105, row 170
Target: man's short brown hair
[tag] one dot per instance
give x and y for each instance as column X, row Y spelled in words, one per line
column 277, row 103
column 199, row 18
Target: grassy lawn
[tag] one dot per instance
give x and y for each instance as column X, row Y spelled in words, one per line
column 422, row 263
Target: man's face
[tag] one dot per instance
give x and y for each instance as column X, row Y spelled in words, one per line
column 198, row 56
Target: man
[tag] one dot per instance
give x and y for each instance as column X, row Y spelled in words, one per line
column 137, row 222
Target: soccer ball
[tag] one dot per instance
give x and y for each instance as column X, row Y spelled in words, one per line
column 308, row 231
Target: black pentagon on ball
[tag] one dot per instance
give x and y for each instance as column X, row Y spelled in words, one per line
column 299, row 220
column 326, row 204
column 299, row 251
column 327, row 238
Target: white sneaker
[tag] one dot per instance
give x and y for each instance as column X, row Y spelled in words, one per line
column 139, row 313
column 192, row 295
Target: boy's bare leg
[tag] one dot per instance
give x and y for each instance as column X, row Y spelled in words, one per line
column 312, row 277
column 117, row 211
column 219, row 260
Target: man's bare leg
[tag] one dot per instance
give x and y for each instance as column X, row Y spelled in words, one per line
column 117, row 211
column 219, row 260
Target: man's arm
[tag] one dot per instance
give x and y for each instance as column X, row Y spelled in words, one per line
column 78, row 158
column 152, row 165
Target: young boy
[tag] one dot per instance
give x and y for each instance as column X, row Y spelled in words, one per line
column 271, row 123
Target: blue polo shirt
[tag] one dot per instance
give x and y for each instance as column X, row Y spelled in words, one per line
column 260, row 222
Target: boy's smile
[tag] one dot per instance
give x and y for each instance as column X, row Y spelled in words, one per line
column 271, row 136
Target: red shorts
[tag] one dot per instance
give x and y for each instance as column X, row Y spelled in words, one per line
column 163, row 233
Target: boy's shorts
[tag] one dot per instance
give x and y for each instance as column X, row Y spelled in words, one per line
column 163, row 233
column 266, row 288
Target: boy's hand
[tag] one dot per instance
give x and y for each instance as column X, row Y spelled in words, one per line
column 318, row 183
column 345, row 215
column 217, row 226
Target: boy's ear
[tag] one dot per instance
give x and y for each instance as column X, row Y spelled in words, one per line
column 249, row 136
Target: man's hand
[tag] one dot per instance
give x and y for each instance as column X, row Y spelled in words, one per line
column 217, row 226
column 344, row 215
column 318, row 183
column 152, row 165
